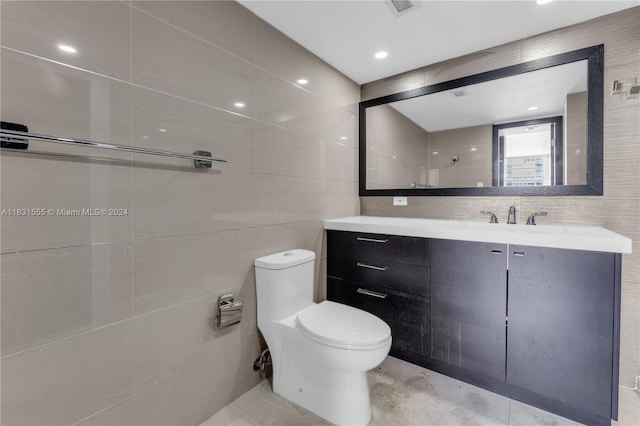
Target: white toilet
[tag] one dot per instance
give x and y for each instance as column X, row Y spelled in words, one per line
column 320, row 352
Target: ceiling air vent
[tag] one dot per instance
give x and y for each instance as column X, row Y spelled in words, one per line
column 401, row 7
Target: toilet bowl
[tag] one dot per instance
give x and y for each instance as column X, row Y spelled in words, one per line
column 320, row 351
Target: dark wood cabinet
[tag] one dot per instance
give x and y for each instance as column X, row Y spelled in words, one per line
column 561, row 345
column 388, row 276
column 469, row 306
column 407, row 317
column 540, row 325
column 395, row 248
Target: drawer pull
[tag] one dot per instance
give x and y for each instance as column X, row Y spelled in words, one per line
column 496, row 251
column 372, row 293
column 377, row 268
column 371, row 240
column 518, row 253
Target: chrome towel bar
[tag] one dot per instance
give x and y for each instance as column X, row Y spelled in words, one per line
column 14, row 138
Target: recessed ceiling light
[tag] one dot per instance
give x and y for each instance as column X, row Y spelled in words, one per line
column 543, row 1
column 344, row 138
column 381, row 54
column 145, row 137
column 533, row 108
column 239, row 104
column 395, row 156
column 162, row 130
column 474, row 149
column 66, row 48
column 303, row 81
column 435, row 152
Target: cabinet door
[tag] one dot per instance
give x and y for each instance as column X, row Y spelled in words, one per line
column 468, row 306
column 560, row 328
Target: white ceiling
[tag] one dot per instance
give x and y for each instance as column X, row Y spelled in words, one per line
column 346, row 34
column 498, row 101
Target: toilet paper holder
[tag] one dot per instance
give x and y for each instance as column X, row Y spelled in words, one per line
column 229, row 310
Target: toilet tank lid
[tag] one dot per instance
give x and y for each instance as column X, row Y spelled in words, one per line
column 285, row 259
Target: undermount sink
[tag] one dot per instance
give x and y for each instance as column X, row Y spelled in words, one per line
column 503, row 227
column 591, row 238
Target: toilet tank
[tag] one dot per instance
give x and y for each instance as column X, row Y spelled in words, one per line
column 284, row 284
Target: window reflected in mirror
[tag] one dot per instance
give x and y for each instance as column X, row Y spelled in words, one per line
column 530, row 153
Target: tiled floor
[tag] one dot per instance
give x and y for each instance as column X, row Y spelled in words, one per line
column 405, row 394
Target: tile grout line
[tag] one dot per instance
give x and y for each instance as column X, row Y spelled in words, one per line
column 161, row 92
column 181, row 98
column 113, row 324
column 131, row 179
column 104, row 409
column 161, row 237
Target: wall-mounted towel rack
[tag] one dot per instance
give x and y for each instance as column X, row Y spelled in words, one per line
column 18, row 139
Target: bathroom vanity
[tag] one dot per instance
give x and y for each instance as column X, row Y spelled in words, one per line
column 530, row 312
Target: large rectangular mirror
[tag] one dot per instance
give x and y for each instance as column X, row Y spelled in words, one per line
column 530, row 129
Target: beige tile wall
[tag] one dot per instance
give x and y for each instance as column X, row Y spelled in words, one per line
column 396, row 150
column 618, row 209
column 107, row 320
column 474, row 168
column 399, row 153
column 575, row 138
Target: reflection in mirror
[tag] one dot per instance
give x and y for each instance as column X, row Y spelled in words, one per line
column 529, row 153
column 452, row 138
column 533, row 128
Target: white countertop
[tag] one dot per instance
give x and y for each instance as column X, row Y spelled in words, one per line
column 590, row 238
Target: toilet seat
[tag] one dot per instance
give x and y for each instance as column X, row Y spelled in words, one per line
column 341, row 326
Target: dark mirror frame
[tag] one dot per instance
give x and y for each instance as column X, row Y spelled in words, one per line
column 595, row 108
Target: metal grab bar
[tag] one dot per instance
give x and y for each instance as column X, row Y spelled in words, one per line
column 11, row 138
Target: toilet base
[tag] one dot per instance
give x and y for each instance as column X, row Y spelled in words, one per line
column 340, row 397
column 330, row 382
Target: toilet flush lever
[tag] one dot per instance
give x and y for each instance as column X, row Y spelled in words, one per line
column 229, row 310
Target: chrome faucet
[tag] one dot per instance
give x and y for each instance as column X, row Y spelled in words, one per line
column 493, row 218
column 532, row 217
column 512, row 216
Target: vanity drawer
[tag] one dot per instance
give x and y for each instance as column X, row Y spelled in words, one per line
column 394, row 277
column 412, row 250
column 408, row 318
